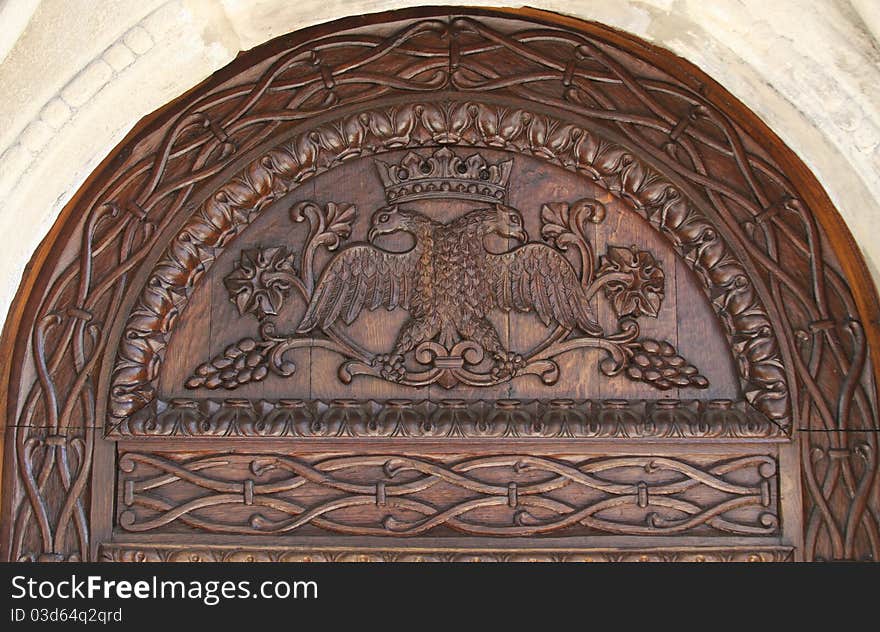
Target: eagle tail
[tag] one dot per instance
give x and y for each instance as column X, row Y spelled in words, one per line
column 584, row 315
column 310, row 319
column 448, row 335
column 588, row 325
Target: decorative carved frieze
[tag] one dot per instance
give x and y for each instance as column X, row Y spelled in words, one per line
column 397, row 494
column 451, row 418
column 157, row 553
column 449, row 282
column 225, row 214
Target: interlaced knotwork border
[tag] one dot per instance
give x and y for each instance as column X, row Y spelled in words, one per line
column 761, row 201
column 627, row 495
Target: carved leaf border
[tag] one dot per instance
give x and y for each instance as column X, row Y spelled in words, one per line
column 510, row 419
column 122, row 552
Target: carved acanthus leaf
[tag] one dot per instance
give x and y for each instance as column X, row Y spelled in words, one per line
column 785, row 293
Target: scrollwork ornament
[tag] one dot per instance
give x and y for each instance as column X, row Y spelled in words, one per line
column 736, row 495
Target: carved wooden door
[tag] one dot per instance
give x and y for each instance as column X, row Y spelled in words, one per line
column 444, row 286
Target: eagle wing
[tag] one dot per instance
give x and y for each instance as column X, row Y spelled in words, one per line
column 535, row 277
column 360, row 276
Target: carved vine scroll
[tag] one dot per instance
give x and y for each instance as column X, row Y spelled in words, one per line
column 87, row 338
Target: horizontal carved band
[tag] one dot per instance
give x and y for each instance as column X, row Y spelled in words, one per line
column 153, row 553
column 623, row 419
column 402, row 495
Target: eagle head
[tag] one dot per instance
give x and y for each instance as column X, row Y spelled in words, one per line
column 506, row 222
column 391, row 219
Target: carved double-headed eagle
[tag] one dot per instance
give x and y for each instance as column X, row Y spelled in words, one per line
column 449, row 281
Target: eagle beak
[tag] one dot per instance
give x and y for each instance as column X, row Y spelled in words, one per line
column 521, row 235
column 372, row 234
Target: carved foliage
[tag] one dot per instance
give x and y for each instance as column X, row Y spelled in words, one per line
column 741, row 193
column 137, row 553
column 261, row 281
column 451, row 418
column 745, row 320
column 449, row 282
column 637, row 288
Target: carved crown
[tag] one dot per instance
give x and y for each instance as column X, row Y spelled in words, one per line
column 444, row 175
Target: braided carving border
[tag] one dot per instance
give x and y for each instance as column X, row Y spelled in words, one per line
column 498, row 496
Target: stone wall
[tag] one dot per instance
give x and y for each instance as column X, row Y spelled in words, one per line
column 76, row 75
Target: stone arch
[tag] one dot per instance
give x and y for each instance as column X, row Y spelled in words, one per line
column 762, row 198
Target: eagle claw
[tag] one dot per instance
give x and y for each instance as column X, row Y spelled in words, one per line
column 507, row 365
column 392, row 368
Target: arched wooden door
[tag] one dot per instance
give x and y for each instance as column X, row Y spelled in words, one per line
column 438, row 284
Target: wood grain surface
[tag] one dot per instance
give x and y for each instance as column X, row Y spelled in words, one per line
column 445, row 284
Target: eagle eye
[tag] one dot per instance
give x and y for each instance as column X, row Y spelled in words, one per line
column 514, row 219
column 384, row 217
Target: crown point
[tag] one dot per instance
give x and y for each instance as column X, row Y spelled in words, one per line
column 444, row 174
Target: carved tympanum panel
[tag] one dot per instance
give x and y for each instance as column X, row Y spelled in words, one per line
column 429, row 282
column 446, row 285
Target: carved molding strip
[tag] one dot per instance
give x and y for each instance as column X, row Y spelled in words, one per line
column 237, row 204
column 608, row 419
column 506, row 495
column 113, row 552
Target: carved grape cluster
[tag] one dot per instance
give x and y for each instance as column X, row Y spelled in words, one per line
column 657, row 363
column 242, row 362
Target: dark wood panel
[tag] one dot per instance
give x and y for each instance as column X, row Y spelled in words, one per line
column 700, row 298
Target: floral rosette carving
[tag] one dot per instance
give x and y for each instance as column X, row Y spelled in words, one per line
column 262, row 281
column 613, row 167
column 637, row 286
